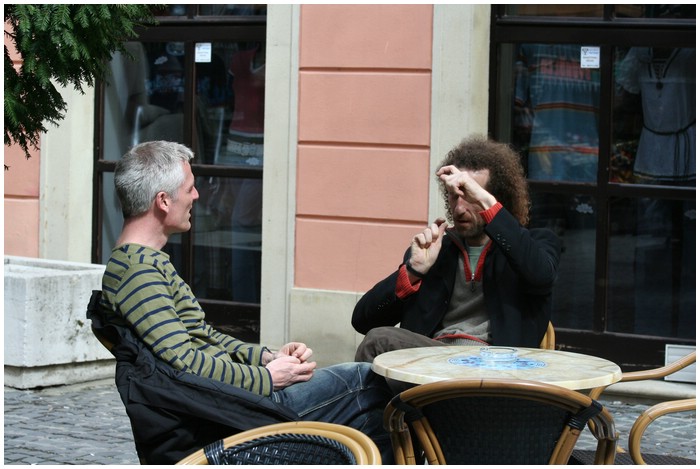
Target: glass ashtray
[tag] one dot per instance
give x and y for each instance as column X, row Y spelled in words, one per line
column 498, row 354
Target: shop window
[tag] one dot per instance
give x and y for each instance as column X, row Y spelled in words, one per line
column 599, row 101
column 198, row 78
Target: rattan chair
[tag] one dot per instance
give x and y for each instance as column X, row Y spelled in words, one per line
column 494, row 421
column 646, row 418
column 297, row 443
column 548, row 341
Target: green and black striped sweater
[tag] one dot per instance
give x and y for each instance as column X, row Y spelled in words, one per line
column 142, row 289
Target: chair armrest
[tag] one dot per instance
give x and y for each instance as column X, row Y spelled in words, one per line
column 647, row 417
column 660, row 372
column 655, row 373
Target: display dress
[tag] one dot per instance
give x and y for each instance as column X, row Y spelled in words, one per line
column 561, row 99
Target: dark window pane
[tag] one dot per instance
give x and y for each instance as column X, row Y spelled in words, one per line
column 555, row 10
column 630, row 11
column 165, row 84
column 112, row 218
column 170, row 10
column 652, row 267
column 556, row 107
column 656, row 11
column 144, row 97
column 233, row 10
column 231, row 104
column 174, row 249
column 227, row 234
column 572, row 218
column 654, row 116
column 214, row 99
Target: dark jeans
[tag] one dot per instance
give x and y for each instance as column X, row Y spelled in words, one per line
column 348, row 394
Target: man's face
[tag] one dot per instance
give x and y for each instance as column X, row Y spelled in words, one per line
column 178, row 217
column 465, row 214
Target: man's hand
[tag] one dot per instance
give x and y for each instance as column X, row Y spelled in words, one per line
column 425, row 247
column 463, row 184
column 296, row 350
column 287, row 370
column 292, row 349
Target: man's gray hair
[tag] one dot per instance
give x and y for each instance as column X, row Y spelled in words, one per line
column 145, row 170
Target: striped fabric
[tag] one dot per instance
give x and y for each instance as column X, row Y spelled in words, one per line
column 142, row 289
column 563, row 98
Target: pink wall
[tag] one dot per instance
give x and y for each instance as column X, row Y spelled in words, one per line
column 21, row 195
column 364, row 141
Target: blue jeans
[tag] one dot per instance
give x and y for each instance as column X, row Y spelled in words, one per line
column 348, row 394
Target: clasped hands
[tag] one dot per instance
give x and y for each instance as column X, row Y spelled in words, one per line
column 289, row 365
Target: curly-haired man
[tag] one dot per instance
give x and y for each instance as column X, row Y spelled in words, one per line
column 481, row 278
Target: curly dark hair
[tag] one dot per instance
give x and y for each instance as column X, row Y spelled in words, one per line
column 506, row 175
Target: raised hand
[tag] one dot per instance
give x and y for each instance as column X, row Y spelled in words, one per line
column 467, row 185
column 425, row 247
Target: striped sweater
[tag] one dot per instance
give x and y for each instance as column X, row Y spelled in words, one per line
column 142, row 289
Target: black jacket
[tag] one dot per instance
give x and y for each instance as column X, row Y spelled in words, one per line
column 518, row 277
column 174, row 413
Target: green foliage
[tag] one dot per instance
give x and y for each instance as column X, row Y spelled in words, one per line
column 63, row 44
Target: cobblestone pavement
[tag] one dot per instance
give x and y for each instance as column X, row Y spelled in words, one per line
column 77, row 424
column 669, row 435
column 86, row 424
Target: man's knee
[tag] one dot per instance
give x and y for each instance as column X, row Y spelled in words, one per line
column 374, row 343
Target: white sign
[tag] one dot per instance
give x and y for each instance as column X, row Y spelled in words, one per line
column 590, row 57
column 202, row 52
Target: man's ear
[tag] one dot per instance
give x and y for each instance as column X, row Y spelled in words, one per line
column 162, row 201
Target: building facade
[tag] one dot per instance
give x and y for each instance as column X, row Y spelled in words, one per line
column 318, row 129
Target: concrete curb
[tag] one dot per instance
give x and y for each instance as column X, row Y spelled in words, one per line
column 651, row 390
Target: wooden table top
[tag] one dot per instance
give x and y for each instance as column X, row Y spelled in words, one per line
column 429, row 364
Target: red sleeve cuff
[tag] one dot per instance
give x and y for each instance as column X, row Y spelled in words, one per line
column 489, row 214
column 403, row 284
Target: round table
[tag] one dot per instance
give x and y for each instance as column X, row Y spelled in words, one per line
column 429, row 364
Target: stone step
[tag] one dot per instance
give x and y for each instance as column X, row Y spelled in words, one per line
column 651, row 390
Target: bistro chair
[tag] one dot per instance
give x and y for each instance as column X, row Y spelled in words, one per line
column 646, row 418
column 291, row 443
column 548, row 340
column 174, row 413
column 494, row 421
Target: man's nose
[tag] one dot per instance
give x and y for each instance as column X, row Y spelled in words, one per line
column 461, row 206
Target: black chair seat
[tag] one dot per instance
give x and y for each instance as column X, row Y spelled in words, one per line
column 297, row 443
column 281, row 449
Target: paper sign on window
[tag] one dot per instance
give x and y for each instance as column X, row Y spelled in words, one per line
column 202, row 52
column 590, row 57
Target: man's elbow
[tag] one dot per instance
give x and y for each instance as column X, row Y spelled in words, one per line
column 359, row 324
